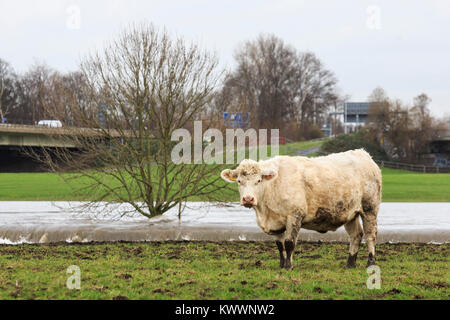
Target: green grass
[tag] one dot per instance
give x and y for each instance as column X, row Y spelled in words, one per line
column 398, row 185
column 231, row 270
column 34, row 186
column 407, row 186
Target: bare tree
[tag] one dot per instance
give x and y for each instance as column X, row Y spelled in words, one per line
column 7, row 95
column 143, row 86
column 315, row 88
column 404, row 132
column 389, row 124
column 278, row 86
column 62, row 91
column 262, row 81
column 423, row 127
column 29, row 90
column 379, row 112
column 337, row 103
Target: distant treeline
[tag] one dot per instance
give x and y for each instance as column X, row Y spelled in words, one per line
column 279, row 86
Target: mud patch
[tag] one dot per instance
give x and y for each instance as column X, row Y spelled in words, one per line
column 324, row 221
column 435, row 285
column 317, row 290
column 137, row 251
column 271, row 285
column 185, row 283
column 315, row 256
column 394, row 291
column 159, row 290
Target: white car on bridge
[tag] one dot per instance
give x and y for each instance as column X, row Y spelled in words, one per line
column 50, row 123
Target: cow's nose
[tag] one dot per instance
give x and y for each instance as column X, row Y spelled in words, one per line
column 248, row 200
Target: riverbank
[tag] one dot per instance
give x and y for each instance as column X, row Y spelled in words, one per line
column 398, row 186
column 227, row 270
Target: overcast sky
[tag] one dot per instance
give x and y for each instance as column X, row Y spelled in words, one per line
column 402, row 46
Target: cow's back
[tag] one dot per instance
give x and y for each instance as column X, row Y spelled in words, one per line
column 337, row 184
column 355, row 168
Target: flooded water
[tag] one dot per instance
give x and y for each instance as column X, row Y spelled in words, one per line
column 44, row 222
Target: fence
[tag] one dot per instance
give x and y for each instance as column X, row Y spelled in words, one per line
column 412, row 167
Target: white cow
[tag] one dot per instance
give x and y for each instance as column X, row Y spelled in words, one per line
column 322, row 194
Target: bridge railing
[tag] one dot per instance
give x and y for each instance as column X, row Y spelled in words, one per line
column 412, row 167
column 27, row 126
column 35, row 129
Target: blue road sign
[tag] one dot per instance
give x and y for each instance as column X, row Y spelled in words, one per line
column 236, row 120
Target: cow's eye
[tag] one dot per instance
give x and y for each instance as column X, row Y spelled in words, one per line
column 259, row 180
column 239, row 181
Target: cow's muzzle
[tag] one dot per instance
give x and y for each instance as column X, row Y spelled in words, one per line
column 248, row 201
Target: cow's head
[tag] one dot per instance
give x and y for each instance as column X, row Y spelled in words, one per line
column 252, row 177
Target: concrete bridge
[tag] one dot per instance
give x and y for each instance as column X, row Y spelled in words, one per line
column 15, row 137
column 18, row 135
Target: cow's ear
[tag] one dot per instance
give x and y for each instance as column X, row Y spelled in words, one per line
column 229, row 175
column 269, row 174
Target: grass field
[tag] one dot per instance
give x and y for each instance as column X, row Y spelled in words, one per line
column 398, row 185
column 407, row 186
column 231, row 270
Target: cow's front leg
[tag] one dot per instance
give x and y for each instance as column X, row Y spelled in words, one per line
column 280, row 245
column 292, row 228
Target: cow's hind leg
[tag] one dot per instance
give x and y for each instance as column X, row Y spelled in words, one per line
column 369, row 219
column 355, row 232
column 292, row 229
column 290, row 246
column 280, row 246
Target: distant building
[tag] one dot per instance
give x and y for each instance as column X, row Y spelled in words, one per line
column 355, row 114
column 326, row 130
column 440, row 149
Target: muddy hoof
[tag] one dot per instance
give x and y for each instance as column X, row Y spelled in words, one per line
column 288, row 266
column 371, row 263
column 351, row 261
column 350, row 265
column 371, row 260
